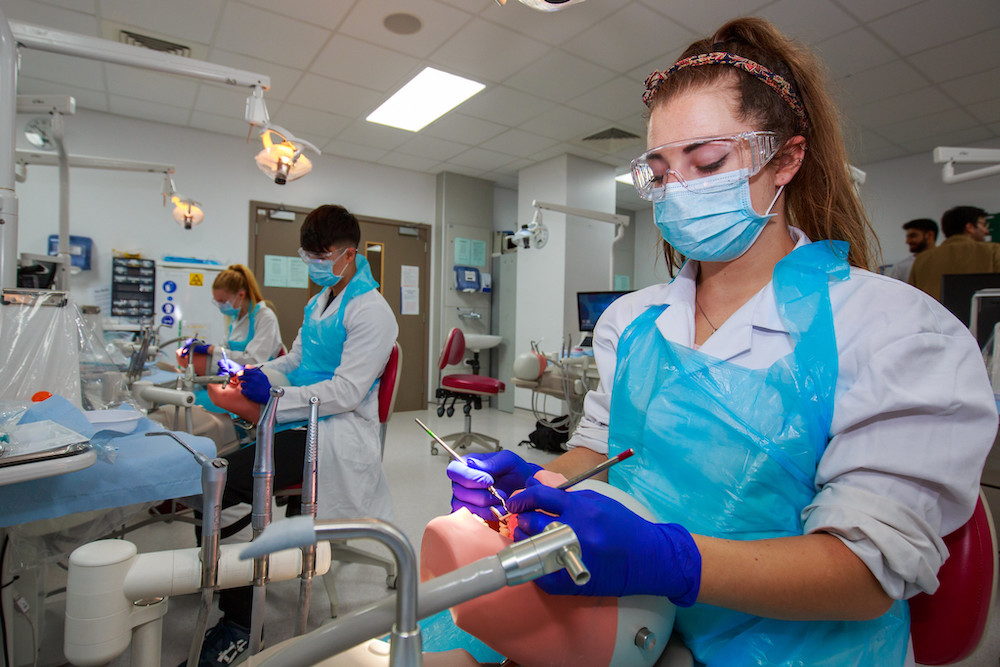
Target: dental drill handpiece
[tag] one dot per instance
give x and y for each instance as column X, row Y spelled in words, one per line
column 455, row 456
column 213, row 484
column 310, row 474
column 260, row 517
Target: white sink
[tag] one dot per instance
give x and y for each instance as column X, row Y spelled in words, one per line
column 478, row 342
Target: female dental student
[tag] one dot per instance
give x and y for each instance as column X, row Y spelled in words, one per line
column 253, row 336
column 806, row 431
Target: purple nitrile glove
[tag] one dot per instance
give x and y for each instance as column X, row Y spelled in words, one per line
column 626, row 554
column 505, row 470
column 255, row 385
column 186, row 347
column 229, row 367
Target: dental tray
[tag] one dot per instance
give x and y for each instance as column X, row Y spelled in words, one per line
column 40, row 441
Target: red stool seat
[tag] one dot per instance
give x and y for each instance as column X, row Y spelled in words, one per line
column 478, row 384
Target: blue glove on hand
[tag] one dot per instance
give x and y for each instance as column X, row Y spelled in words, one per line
column 626, row 554
column 194, row 345
column 255, row 385
column 229, row 367
column 505, row 470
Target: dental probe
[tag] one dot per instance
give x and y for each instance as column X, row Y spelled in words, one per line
column 454, row 455
column 600, row 467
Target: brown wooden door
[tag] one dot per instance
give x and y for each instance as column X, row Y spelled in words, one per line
column 389, row 246
column 394, row 250
column 274, row 245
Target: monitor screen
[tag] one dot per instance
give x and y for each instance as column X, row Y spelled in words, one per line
column 590, row 305
column 957, row 290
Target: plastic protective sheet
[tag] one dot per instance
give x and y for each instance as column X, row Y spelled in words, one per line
column 56, row 349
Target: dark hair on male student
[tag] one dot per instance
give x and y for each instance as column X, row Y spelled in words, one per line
column 922, row 224
column 955, row 219
column 329, row 225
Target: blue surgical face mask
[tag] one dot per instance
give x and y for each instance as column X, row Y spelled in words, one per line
column 321, row 271
column 228, row 309
column 711, row 227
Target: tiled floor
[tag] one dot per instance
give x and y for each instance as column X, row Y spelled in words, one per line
column 420, row 492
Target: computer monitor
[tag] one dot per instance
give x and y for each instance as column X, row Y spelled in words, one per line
column 590, row 306
column 957, row 290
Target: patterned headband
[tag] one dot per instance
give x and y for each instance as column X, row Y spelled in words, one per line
column 777, row 83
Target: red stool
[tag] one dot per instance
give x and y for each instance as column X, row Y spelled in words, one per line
column 468, row 388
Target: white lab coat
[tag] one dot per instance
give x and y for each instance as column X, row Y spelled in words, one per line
column 265, row 344
column 352, row 483
column 914, row 414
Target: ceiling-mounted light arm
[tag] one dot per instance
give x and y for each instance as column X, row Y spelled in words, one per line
column 952, row 156
column 42, row 38
column 619, row 221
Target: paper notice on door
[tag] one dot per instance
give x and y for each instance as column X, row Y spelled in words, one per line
column 298, row 273
column 409, row 276
column 275, row 271
column 409, row 300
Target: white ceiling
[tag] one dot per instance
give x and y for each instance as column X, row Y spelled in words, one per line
column 910, row 74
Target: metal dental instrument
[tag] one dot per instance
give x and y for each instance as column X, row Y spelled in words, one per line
column 213, row 483
column 263, row 489
column 455, row 456
column 310, row 473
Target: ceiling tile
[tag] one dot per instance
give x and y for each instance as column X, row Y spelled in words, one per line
column 866, row 142
column 882, row 154
column 62, row 69
column 351, row 150
column 642, row 29
column 563, row 123
column 269, row 36
column 439, row 22
column 995, row 129
column 956, row 138
column 82, row 21
column 704, row 16
column 921, row 27
column 316, row 12
column 986, row 112
column 502, row 179
column 85, row 98
column 283, row 79
column 614, row 100
column 411, row 162
column 853, row 51
column 317, row 92
column 902, row 107
column 810, row 21
column 952, row 60
column 236, row 127
column 481, row 159
column 151, row 86
column 298, row 119
column 87, row 6
column 517, row 143
column 559, row 77
column 382, row 70
column 191, row 20
column 431, row 148
column 566, row 149
column 505, row 105
column 552, row 28
column 976, row 88
column 375, row 135
column 161, row 113
column 880, row 82
column 462, row 128
column 488, row 52
column 927, row 126
column 221, row 100
column 866, row 10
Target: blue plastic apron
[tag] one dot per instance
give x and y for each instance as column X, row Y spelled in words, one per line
column 732, row 452
column 241, row 345
column 323, row 339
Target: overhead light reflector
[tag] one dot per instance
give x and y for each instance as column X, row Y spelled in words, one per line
column 428, row 96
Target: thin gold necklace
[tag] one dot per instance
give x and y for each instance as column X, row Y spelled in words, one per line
column 702, row 311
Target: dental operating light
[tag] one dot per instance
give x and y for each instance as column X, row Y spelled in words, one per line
column 283, row 160
column 545, row 5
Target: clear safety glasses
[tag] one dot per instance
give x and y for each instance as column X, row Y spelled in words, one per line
column 701, row 165
column 318, row 257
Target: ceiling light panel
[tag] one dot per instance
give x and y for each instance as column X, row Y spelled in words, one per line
column 428, row 96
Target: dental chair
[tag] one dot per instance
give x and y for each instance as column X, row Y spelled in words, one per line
column 948, row 626
column 463, row 387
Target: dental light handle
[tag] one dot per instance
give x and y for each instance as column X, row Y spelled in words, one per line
column 263, row 489
column 310, row 473
column 522, row 561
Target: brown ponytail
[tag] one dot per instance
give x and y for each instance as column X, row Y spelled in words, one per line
column 821, row 199
column 239, row 277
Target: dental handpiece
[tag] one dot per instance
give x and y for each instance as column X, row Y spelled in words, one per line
column 455, row 456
